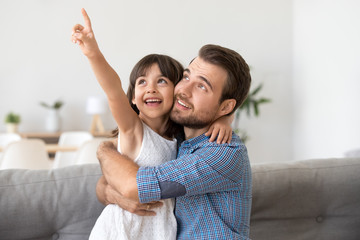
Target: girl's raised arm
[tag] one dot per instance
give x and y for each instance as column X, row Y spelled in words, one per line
column 127, row 120
column 221, row 130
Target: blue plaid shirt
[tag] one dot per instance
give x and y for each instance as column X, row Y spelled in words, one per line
column 212, row 185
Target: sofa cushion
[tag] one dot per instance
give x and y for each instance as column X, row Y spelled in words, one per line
column 310, row 199
column 55, row 204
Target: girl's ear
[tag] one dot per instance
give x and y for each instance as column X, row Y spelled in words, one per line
column 226, row 107
column 133, row 97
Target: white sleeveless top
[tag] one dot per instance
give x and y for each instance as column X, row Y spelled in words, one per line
column 115, row 223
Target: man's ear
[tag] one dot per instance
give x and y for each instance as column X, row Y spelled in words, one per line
column 226, row 107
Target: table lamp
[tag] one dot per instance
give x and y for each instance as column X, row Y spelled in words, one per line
column 96, row 106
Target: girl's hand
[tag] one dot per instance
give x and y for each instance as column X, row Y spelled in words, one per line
column 84, row 37
column 220, row 129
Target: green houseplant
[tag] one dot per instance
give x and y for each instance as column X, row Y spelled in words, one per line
column 56, row 105
column 12, row 121
column 250, row 107
column 53, row 121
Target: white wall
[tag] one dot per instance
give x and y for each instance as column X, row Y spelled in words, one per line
column 326, row 78
column 39, row 63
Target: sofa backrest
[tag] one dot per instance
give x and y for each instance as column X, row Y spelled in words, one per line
column 311, row 199
column 55, row 204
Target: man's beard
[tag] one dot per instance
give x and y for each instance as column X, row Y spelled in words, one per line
column 194, row 122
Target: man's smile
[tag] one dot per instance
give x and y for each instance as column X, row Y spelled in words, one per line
column 180, row 102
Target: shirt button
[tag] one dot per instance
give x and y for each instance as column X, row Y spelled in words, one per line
column 319, row 219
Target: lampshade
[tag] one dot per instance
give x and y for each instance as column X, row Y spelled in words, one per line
column 96, row 105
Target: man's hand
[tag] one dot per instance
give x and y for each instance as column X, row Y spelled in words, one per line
column 108, row 195
column 119, row 171
column 84, row 36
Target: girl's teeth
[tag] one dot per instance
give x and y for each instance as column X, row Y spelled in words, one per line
column 153, row 100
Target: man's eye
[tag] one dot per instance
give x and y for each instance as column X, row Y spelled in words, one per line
column 202, row 87
column 186, row 78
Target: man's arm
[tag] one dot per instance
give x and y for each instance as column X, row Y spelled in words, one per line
column 108, row 195
column 104, row 193
column 119, row 171
column 206, row 169
column 209, row 169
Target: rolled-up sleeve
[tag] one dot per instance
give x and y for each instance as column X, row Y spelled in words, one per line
column 209, row 168
column 148, row 185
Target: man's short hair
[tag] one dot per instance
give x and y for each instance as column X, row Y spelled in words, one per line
column 239, row 79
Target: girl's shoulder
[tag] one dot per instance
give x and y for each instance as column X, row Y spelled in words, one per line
column 148, row 130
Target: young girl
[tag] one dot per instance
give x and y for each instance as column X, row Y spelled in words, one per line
column 144, row 130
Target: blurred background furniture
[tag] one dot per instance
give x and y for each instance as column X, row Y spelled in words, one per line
column 6, row 138
column 52, row 140
column 87, row 151
column 298, row 200
column 96, row 106
column 49, row 138
column 25, row 154
column 71, row 138
column 53, row 148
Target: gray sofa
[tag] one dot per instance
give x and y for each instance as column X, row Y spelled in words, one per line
column 311, row 199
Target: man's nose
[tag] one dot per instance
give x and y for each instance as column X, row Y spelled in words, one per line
column 184, row 89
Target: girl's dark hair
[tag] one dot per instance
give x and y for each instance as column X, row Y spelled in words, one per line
column 169, row 68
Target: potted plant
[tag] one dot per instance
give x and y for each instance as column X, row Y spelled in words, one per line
column 12, row 121
column 53, row 121
column 56, row 105
column 250, row 106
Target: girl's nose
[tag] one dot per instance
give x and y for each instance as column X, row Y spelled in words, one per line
column 151, row 90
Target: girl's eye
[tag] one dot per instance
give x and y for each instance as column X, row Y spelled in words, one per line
column 186, row 78
column 161, row 80
column 141, row 81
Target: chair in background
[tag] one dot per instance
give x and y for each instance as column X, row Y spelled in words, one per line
column 26, row 154
column 71, row 138
column 87, row 152
column 6, row 138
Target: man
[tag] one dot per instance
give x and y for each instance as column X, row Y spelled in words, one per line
column 211, row 182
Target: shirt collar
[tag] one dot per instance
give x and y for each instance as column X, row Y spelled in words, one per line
column 236, row 141
column 196, row 140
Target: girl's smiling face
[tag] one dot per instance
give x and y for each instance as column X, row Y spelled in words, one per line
column 154, row 94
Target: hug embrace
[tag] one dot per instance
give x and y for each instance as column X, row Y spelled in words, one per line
column 176, row 170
